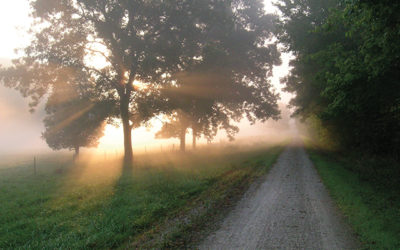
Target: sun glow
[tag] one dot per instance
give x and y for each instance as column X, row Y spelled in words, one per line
column 96, row 54
column 14, row 22
column 139, row 85
column 142, row 139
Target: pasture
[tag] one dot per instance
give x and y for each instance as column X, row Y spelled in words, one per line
column 97, row 203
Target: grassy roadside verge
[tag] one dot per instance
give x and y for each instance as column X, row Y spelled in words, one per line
column 95, row 205
column 372, row 211
column 186, row 227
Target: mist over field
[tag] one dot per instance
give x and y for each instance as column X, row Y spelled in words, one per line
column 20, row 130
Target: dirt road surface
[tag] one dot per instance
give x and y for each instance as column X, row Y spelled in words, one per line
column 289, row 209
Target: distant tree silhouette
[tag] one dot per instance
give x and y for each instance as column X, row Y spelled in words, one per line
column 73, row 121
column 175, row 128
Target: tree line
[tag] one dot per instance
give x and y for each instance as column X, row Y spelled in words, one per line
column 346, row 70
column 199, row 64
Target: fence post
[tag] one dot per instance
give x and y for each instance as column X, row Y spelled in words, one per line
column 34, row 165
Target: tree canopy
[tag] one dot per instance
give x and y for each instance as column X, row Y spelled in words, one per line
column 346, row 68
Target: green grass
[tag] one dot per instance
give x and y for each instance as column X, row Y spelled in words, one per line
column 373, row 210
column 94, row 204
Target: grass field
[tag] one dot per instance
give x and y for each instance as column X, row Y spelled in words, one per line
column 95, row 204
column 372, row 209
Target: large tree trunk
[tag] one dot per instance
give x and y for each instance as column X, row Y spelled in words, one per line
column 76, row 154
column 182, row 138
column 124, row 109
column 194, row 131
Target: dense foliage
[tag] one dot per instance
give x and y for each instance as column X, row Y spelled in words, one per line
column 346, row 69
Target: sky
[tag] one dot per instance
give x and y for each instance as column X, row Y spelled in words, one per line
column 20, row 130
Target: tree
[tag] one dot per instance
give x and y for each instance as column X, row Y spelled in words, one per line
column 73, row 121
column 228, row 80
column 175, row 128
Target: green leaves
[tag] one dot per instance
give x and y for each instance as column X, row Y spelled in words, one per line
column 346, row 69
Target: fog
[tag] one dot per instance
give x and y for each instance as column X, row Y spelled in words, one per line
column 20, row 130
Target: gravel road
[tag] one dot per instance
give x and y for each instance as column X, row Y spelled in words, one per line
column 289, row 209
